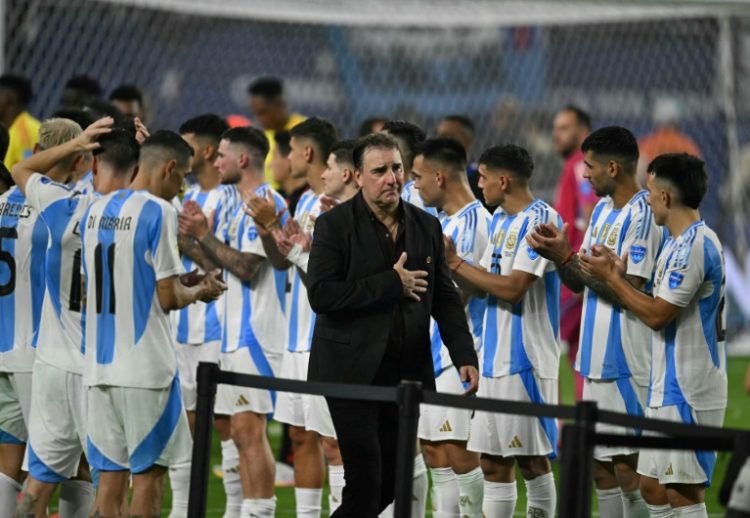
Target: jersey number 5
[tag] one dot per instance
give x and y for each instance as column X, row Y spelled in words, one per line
column 99, row 270
column 7, row 258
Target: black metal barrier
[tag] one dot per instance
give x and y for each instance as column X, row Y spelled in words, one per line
column 578, row 438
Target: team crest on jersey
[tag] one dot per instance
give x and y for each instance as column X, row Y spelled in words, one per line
column 499, row 238
column 603, row 232
column 675, row 279
column 510, row 243
column 307, row 223
column 637, row 253
column 612, row 239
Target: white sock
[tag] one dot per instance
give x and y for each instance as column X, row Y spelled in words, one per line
column 633, row 505
column 499, row 499
column 610, row 502
column 444, row 493
column 335, row 486
column 258, row 508
column 694, row 511
column 308, row 502
column 230, row 465
column 471, row 490
column 660, row 511
column 9, row 490
column 541, row 496
column 421, row 485
column 76, row 499
column 179, row 481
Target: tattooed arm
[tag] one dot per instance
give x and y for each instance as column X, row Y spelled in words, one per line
column 191, row 248
column 241, row 264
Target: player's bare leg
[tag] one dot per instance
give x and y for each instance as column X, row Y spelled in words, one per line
column 335, row 472
column 257, row 465
column 147, row 492
column 309, row 471
column 113, row 487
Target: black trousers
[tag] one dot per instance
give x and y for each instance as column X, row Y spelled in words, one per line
column 367, row 434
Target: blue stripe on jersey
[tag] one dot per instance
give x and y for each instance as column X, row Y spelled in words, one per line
column 630, row 398
column 57, row 217
column 672, row 390
column 552, row 295
column 436, row 345
column 8, row 238
column 535, row 396
column 709, row 306
column 519, row 360
column 150, row 449
column 105, row 321
column 6, row 438
column 477, row 307
column 39, row 239
column 706, row 459
column 97, row 459
column 146, row 239
column 294, row 315
column 40, row 471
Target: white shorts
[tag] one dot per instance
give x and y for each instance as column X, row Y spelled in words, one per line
column 292, row 407
column 681, row 466
column 15, row 402
column 507, row 435
column 442, row 423
column 188, row 358
column 622, row 395
column 318, row 418
column 57, row 424
column 233, row 399
column 135, row 429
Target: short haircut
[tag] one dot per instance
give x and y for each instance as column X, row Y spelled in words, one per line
column 320, row 131
column 99, row 108
column 267, row 87
column 685, row 172
column 343, row 151
column 446, row 151
column 616, row 142
column 82, row 117
column 583, row 118
column 371, row 141
column 87, row 84
column 509, row 157
column 208, row 125
column 56, row 131
column 253, row 139
column 19, row 85
column 407, row 133
column 4, row 142
column 462, row 120
column 119, row 149
column 282, row 139
column 5, row 176
column 126, row 92
column 366, row 127
column 170, row 144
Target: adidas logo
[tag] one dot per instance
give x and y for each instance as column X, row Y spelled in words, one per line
column 515, row 443
column 242, row 400
column 334, row 499
column 446, row 427
column 464, row 501
column 535, row 512
column 669, row 471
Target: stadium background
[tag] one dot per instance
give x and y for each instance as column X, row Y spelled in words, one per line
column 507, row 65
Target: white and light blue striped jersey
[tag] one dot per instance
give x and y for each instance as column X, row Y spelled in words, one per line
column 525, row 335
column 300, row 314
column 254, row 311
column 129, row 244
column 200, row 323
column 86, row 184
column 689, row 356
column 411, row 194
column 23, row 245
column 469, row 229
column 61, row 208
column 614, row 344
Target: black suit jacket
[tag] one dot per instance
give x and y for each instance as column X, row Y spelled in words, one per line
column 353, row 289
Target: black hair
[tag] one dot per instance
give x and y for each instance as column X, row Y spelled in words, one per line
column 466, row 123
column 5, row 176
column 282, row 139
column 614, row 141
column 118, row 148
column 685, row 172
column 509, row 158
column 267, row 87
column 447, row 151
column 343, row 151
column 366, row 127
column 583, row 118
column 100, row 108
column 252, row 138
column 207, row 125
column 409, row 135
column 4, row 142
column 320, row 131
column 170, row 142
column 373, row 140
column 87, row 84
column 82, row 117
column 19, row 85
column 126, row 92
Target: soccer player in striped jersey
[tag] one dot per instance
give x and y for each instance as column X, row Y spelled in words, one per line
column 199, row 325
column 687, row 317
column 520, row 341
column 254, row 331
column 614, row 355
column 57, row 430
column 439, row 174
column 407, row 136
column 135, row 418
column 310, row 144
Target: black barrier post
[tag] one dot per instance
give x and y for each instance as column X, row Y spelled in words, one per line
column 204, row 420
column 577, row 458
column 409, row 396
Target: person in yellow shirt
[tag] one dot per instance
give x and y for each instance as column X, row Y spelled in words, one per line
column 269, row 108
column 15, row 96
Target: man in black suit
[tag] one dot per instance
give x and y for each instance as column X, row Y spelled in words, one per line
column 376, row 274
